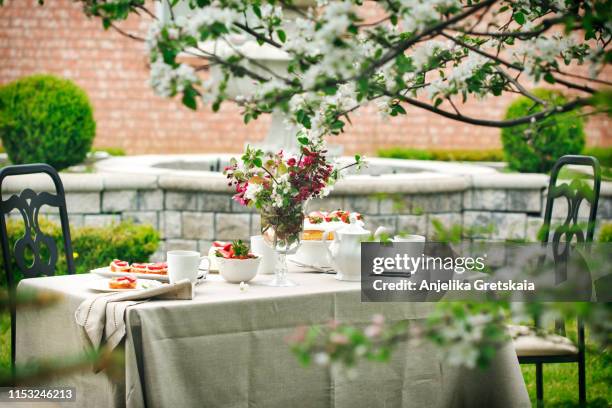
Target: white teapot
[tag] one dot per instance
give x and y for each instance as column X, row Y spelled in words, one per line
column 345, row 250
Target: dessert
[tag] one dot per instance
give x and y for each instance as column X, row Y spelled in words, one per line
column 159, row 268
column 315, row 235
column 212, row 252
column 139, row 268
column 235, row 250
column 317, row 222
column 123, row 282
column 119, row 266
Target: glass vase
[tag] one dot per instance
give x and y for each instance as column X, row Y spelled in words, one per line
column 281, row 229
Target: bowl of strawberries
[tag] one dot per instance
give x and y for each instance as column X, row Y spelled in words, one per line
column 236, row 262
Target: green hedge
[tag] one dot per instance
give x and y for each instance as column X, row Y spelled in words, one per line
column 93, row 247
column 605, row 234
column 492, row 155
column 603, row 154
column 535, row 148
column 46, row 119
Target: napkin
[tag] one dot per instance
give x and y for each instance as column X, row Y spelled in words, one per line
column 102, row 317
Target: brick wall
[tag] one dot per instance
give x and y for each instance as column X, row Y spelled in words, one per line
column 57, row 38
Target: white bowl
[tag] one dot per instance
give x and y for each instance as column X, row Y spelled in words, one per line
column 238, row 270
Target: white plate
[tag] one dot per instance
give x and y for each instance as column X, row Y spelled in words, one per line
column 107, row 273
column 101, row 285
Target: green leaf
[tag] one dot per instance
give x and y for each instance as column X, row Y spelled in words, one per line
column 357, row 158
column 189, row 98
column 257, row 162
column 337, row 125
column 437, row 102
column 519, row 18
column 330, row 89
column 400, row 109
column 257, row 10
column 548, row 77
column 281, row 35
column 303, row 140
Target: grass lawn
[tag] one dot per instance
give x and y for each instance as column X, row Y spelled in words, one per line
column 560, row 380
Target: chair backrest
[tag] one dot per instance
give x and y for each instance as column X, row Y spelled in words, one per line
column 29, row 203
column 575, row 193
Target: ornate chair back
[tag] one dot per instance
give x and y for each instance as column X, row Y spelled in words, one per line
column 34, row 241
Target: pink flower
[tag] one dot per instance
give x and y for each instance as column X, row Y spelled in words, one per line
column 378, row 319
column 298, row 335
column 291, row 162
column 338, row 338
column 373, row 330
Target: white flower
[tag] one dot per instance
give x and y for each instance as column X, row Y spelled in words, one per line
column 207, row 16
column 423, row 54
column 543, row 50
column 418, row 14
column 269, row 12
column 321, row 358
column 252, row 190
column 168, row 81
column 152, row 36
column 244, row 286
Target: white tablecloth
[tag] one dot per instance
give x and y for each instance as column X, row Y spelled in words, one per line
column 226, row 348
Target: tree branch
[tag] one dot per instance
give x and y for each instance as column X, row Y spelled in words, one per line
column 495, row 123
column 126, row 34
column 516, row 67
column 258, row 35
column 545, row 25
column 520, row 87
column 436, row 28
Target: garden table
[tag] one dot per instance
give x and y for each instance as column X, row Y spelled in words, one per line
column 227, row 348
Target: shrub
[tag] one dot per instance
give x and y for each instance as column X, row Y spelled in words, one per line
column 536, row 147
column 605, row 234
column 93, row 247
column 46, row 119
column 113, row 151
column 493, row 155
column 603, row 154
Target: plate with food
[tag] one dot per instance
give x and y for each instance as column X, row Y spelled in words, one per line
column 122, row 284
column 141, row 270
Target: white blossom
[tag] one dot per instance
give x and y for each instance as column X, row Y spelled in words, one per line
column 252, row 190
column 168, row 81
column 418, row 14
column 424, row 53
column 206, row 17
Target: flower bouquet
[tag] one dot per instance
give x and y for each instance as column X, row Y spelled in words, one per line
column 278, row 185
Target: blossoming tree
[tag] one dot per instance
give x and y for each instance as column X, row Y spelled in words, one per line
column 431, row 54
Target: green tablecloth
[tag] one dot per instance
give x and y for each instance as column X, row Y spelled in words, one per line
column 226, row 348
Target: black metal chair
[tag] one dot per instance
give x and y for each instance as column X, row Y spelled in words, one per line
column 557, row 348
column 29, row 203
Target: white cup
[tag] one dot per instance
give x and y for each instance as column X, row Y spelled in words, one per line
column 417, row 246
column 265, row 252
column 184, row 265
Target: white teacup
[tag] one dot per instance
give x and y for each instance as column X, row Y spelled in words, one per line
column 265, row 252
column 417, row 244
column 184, row 265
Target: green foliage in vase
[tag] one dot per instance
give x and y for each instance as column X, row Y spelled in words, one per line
column 46, row 119
column 535, row 147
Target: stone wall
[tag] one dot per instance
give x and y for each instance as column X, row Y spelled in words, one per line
column 191, row 212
